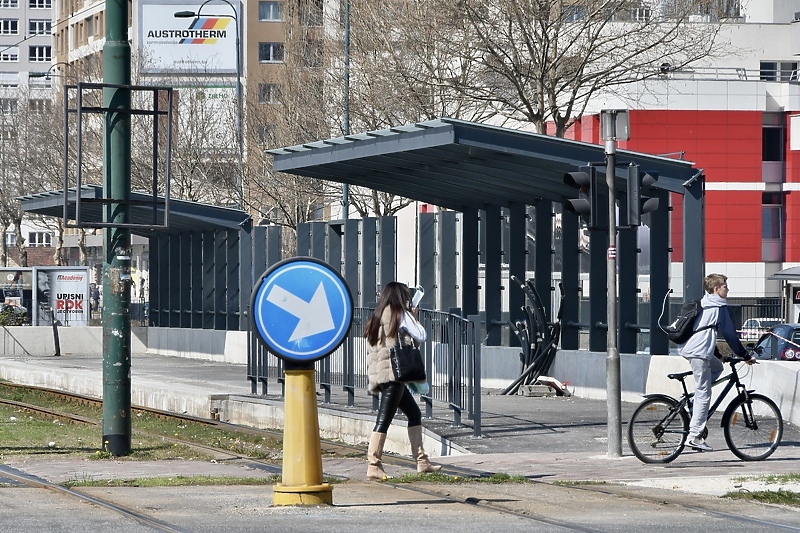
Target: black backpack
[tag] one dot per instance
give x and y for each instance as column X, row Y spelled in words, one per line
column 682, row 328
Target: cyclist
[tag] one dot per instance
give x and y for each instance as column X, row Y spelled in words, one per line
column 702, row 353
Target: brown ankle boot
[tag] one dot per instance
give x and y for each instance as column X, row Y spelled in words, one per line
column 375, row 470
column 418, row 452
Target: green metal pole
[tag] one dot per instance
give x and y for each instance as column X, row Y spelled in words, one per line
column 117, row 241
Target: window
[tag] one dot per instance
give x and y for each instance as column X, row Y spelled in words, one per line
column 772, row 144
column 779, row 70
column 9, row 79
column 38, row 238
column 8, row 135
column 39, row 27
column 313, row 53
column 269, row 93
column 574, row 13
column 11, row 239
column 642, row 14
column 10, row 56
column 39, row 105
column 8, row 105
column 311, row 13
column 9, row 3
column 729, row 9
column 269, row 11
column 771, row 215
column 270, row 52
column 40, row 4
column 40, row 53
column 9, row 26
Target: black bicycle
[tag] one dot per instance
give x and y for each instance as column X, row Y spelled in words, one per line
column 752, row 423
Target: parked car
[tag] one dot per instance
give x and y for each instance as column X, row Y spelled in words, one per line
column 754, row 328
column 781, row 342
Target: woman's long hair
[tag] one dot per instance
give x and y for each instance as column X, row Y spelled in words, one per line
column 395, row 296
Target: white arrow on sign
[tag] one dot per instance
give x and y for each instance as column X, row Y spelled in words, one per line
column 315, row 316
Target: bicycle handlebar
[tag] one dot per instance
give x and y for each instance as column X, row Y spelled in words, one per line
column 736, row 360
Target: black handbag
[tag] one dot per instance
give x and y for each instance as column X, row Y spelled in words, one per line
column 407, row 363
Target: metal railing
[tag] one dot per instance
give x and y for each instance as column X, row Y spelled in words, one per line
column 452, row 354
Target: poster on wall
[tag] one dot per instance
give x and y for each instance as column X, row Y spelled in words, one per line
column 66, row 291
column 203, row 44
column 16, row 292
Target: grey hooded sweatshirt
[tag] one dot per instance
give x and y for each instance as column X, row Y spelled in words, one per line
column 703, row 343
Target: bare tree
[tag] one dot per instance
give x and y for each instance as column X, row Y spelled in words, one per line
column 541, row 61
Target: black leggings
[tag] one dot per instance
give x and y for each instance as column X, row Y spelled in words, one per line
column 394, row 396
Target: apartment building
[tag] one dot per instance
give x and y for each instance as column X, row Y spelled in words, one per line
column 25, row 39
column 737, row 116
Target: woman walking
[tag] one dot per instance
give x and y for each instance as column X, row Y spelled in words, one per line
column 393, row 315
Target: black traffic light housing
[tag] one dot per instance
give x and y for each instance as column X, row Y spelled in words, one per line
column 585, row 205
column 639, row 203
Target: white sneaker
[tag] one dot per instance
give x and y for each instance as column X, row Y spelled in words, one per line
column 699, row 444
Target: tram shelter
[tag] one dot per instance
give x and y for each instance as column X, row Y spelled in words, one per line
column 479, row 170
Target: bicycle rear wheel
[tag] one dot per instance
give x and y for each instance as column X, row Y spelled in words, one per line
column 754, row 429
column 657, row 430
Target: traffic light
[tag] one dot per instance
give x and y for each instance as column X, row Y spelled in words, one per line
column 639, row 203
column 585, row 204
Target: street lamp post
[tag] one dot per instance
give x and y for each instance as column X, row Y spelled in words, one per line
column 613, row 127
column 346, row 98
column 49, row 73
column 239, row 99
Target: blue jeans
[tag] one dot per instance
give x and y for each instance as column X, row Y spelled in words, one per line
column 706, row 372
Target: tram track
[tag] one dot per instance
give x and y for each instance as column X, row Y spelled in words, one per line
column 478, row 495
column 27, row 480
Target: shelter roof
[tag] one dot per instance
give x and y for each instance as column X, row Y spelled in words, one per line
column 457, row 164
column 183, row 215
column 790, row 274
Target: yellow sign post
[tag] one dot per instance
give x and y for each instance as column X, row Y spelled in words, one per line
column 302, row 458
column 302, row 310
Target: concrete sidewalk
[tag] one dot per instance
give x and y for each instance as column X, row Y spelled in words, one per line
column 545, row 438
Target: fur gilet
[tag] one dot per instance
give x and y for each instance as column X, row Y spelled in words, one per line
column 379, row 364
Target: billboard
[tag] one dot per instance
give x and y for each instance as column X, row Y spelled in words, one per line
column 67, row 291
column 35, row 292
column 204, row 44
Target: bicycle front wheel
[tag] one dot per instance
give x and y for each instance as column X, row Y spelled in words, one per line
column 754, row 429
column 657, row 430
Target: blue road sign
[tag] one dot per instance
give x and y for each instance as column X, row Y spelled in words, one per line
column 302, row 309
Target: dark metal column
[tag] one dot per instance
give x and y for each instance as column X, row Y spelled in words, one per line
column 492, row 283
column 117, row 264
column 246, row 274
column 209, row 268
column 627, row 265
column 659, row 270
column 159, row 303
column 173, row 291
column 369, row 259
column 220, row 274
column 426, row 248
column 387, row 237
column 516, row 264
column 351, row 262
column 469, row 262
column 317, row 240
column 232, row 280
column 183, row 267
column 543, row 260
column 598, row 272
column 196, row 279
column 694, row 260
column 448, row 260
column 570, row 278
column 303, row 233
column 333, row 252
